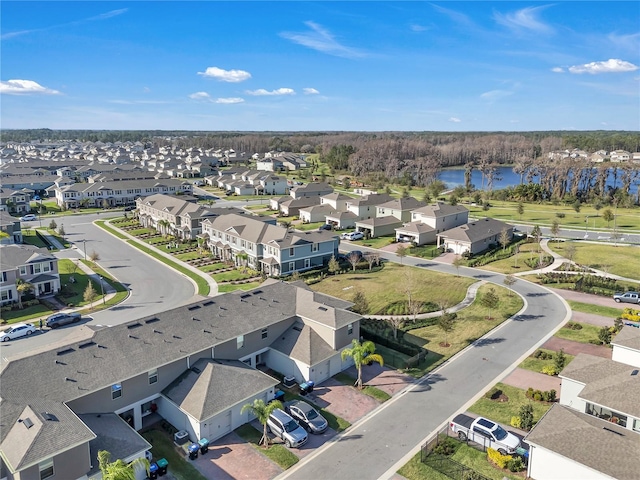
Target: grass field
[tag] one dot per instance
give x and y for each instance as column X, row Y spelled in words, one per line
column 228, row 287
column 595, row 309
column 373, row 392
column 279, row 454
column 536, row 364
column 515, row 263
column 471, row 324
column 623, row 261
column 588, row 332
column 385, row 287
column 503, row 411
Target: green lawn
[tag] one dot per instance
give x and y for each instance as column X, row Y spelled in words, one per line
column 185, row 257
column 163, row 447
column 377, row 242
column 536, row 364
column 516, row 263
column 103, row 224
column 384, row 288
column 588, row 332
column 503, row 411
column 466, row 455
column 232, row 276
column 471, row 323
column 601, row 310
column 213, row 267
column 367, row 390
column 27, row 313
column 279, row 454
column 29, row 236
column 424, row 251
column 623, row 261
column 229, row 287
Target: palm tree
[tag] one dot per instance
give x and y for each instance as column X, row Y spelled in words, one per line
column 119, row 470
column 261, row 411
column 22, row 287
column 362, row 354
column 161, row 226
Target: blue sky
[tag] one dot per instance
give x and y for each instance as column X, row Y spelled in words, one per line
column 370, row 66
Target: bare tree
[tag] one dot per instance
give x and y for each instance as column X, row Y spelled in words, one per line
column 509, row 281
column 354, row 259
column 570, row 252
column 401, row 252
column 504, row 238
column 94, row 256
column 372, row 258
column 458, row 262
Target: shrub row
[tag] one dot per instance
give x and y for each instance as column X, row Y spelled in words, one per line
column 631, row 314
column 541, row 396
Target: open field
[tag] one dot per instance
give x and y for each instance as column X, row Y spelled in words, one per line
column 385, row 287
column 586, row 333
column 623, row 261
column 503, row 411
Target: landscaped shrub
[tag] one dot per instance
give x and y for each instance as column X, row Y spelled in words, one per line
column 542, row 355
column 516, row 422
column 560, row 360
column 549, row 370
column 526, row 417
column 631, row 314
column 447, row 446
column 573, row 326
column 516, row 464
column 604, row 336
column 493, row 394
column 497, row 458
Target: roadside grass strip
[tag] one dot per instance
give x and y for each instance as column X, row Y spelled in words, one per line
column 601, row 310
column 373, row 392
column 587, row 334
column 276, row 453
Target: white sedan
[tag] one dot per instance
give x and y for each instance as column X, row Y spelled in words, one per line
column 30, row 217
column 17, row 330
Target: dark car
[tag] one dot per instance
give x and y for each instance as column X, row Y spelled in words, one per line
column 325, row 226
column 307, row 416
column 59, row 319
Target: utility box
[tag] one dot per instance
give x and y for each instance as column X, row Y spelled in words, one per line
column 181, row 437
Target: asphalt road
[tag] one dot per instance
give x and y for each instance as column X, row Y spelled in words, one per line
column 154, row 287
column 378, row 446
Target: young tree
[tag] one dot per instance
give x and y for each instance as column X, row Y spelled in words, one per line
column 604, row 335
column 526, row 417
column 90, row 294
column 353, row 259
column 53, row 225
column 490, row 300
column 372, row 258
column 570, row 252
column 362, row 354
column 22, row 287
column 504, row 238
column 559, row 360
column 607, row 216
column 119, row 470
column 446, row 323
column 61, row 231
column 334, row 265
column 360, row 303
column 458, row 262
column 395, row 323
column 576, row 206
column 94, row 256
column 555, row 229
column 520, row 210
column 261, row 411
column 510, row 281
column 401, row 252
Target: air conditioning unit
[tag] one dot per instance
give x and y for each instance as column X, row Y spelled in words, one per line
column 289, row 381
column 181, row 437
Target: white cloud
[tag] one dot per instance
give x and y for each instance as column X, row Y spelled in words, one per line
column 613, row 65
column 630, row 42
column 200, row 96
column 320, row 39
column 279, row 91
column 496, row 94
column 557, row 70
column 230, row 100
column 232, row 76
column 455, row 16
column 524, row 19
column 310, row 91
column 25, row 87
column 146, row 90
column 418, row 28
column 455, row 120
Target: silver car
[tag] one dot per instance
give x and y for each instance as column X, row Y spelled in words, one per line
column 287, row 429
column 307, row 416
column 17, row 330
column 627, row 297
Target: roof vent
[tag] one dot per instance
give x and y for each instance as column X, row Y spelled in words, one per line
column 195, row 319
column 257, row 292
column 134, row 325
column 133, row 336
column 27, row 422
column 156, row 331
column 634, row 373
column 49, row 417
column 206, row 331
column 246, row 295
column 176, row 336
column 152, row 320
column 324, row 309
column 208, row 302
column 58, row 362
column 87, row 344
column 613, row 431
column 193, row 307
column 195, row 369
column 65, row 351
column 297, row 328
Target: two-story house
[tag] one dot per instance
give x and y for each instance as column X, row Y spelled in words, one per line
column 11, row 229
column 474, row 237
column 426, row 222
column 361, row 208
column 389, row 216
column 14, row 201
column 30, row 264
column 251, row 241
column 594, row 431
column 195, row 366
column 311, row 189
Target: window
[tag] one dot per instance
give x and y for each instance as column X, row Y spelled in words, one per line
column 350, row 329
column 4, row 276
column 265, row 332
column 307, row 263
column 6, row 295
column 291, row 252
column 116, row 391
column 46, row 469
column 315, row 247
column 153, row 376
column 292, row 266
column 46, row 267
column 36, row 268
column 240, row 341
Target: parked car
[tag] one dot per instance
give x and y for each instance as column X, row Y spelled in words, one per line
column 354, row 236
column 59, row 319
column 30, row 217
column 485, row 432
column 129, row 208
column 627, row 297
column 36, row 198
column 307, row 416
column 287, row 429
column 325, row 226
column 17, row 330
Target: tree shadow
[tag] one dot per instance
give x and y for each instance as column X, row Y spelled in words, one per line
column 526, row 318
column 537, row 294
column 426, row 384
column 482, row 275
column 483, row 342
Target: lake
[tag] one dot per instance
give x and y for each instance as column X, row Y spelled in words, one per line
column 455, row 177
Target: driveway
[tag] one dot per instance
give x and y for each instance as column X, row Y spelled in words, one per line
column 522, row 378
column 342, row 400
column 383, row 378
column 574, row 348
column 588, row 298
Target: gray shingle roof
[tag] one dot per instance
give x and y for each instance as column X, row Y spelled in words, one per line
column 628, row 337
column 16, row 255
column 591, row 441
column 475, row 231
column 441, row 209
column 415, row 227
column 405, row 203
column 302, row 343
column 219, row 385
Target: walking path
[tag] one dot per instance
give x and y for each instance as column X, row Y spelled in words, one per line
column 574, row 348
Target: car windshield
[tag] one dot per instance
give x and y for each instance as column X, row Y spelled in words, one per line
column 500, row 433
column 290, row 426
column 311, row 414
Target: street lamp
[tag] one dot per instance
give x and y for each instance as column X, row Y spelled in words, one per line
column 102, row 289
column 84, row 243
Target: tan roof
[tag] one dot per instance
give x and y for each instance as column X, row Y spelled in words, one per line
column 475, row 231
column 628, row 337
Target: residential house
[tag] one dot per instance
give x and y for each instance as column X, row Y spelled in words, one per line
column 195, row 366
column 312, row 189
column 251, row 241
column 316, row 213
column 361, row 208
column 389, row 216
column 620, row 156
column 30, row 264
column 10, row 228
column 594, row 431
column 474, row 237
column 269, row 164
column 112, row 194
column 177, row 216
column 426, row 222
column 14, row 201
column 291, row 206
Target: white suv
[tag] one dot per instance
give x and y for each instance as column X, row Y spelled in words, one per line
column 354, row 236
column 287, row 429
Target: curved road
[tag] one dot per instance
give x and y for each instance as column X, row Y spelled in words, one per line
column 381, row 443
column 154, row 287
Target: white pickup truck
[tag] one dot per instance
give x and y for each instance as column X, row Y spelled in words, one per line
column 485, row 432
